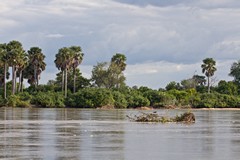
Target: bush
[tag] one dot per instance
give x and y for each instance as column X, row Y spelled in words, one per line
column 48, row 99
column 16, row 101
column 166, row 99
column 207, row 100
column 136, row 99
column 119, row 100
column 2, row 101
column 181, row 96
column 90, row 98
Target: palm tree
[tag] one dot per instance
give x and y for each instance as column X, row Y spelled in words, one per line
column 63, row 62
column 208, row 67
column 120, row 60
column 36, row 65
column 23, row 62
column 76, row 61
column 235, row 71
column 3, row 63
column 118, row 65
column 14, row 56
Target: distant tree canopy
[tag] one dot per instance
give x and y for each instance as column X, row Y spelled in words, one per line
column 107, row 84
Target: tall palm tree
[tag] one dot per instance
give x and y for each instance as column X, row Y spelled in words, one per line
column 4, row 65
column 22, row 64
column 36, row 65
column 235, row 71
column 14, row 56
column 63, row 62
column 76, row 61
column 120, row 60
column 208, row 67
column 118, row 64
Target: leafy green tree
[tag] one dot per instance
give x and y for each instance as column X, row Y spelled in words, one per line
column 208, row 67
column 110, row 75
column 188, row 83
column 229, row 88
column 100, row 75
column 173, row 85
column 117, row 66
column 200, row 80
column 235, row 71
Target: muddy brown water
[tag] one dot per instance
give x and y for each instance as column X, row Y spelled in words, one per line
column 109, row 135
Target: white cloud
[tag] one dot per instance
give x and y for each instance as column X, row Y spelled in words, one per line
column 54, row 35
column 159, row 38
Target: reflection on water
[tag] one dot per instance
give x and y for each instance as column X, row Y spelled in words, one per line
column 99, row 134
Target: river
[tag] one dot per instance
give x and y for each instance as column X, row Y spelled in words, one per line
column 109, row 135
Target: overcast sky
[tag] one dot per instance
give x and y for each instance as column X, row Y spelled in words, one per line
column 163, row 40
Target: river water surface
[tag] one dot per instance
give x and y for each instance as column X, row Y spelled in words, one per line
column 109, row 135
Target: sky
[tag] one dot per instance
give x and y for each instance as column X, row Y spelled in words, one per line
column 163, row 40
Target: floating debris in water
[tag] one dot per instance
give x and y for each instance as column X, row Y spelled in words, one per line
column 187, row 117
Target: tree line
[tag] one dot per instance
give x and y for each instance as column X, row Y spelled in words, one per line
column 106, row 87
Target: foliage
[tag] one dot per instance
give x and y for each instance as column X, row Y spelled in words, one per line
column 235, row 71
column 2, row 101
column 159, row 98
column 110, row 75
column 17, row 101
column 229, row 88
column 77, row 78
column 136, row 99
column 48, row 99
column 181, row 97
column 119, row 100
column 173, row 85
column 90, row 98
column 35, row 66
column 208, row 67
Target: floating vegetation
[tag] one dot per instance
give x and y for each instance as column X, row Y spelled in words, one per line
column 187, row 117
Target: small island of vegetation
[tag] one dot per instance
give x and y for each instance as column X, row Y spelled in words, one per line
column 106, row 88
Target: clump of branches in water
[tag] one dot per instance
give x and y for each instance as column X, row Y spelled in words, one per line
column 187, row 117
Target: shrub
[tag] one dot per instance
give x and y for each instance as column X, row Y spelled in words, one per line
column 166, row 99
column 16, row 101
column 119, row 100
column 90, row 98
column 48, row 99
column 2, row 101
column 136, row 99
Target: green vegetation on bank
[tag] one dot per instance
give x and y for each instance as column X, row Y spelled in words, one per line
column 107, row 85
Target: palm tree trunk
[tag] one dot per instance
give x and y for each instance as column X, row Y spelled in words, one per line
column 21, row 89
column 35, row 76
column 74, row 80
column 20, row 81
column 208, row 84
column 37, row 80
column 65, row 83
column 5, row 76
column 13, row 80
